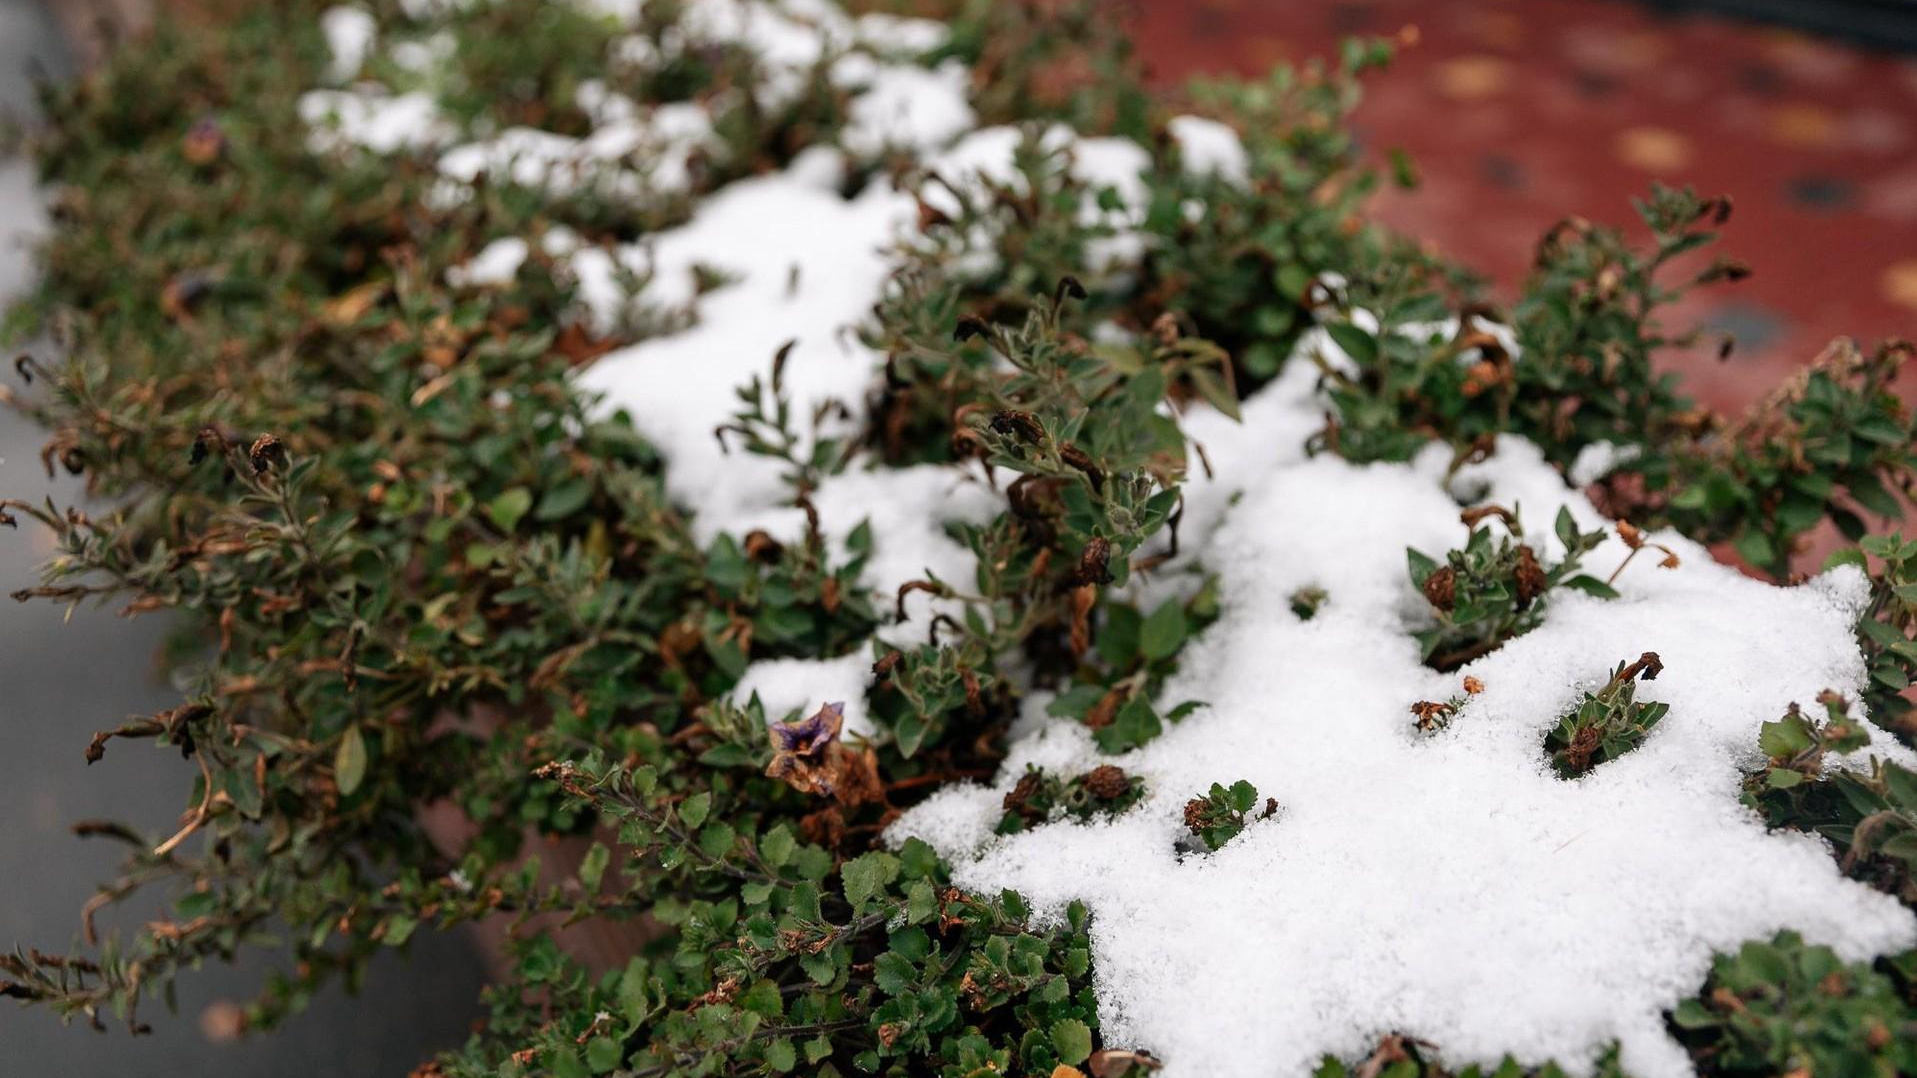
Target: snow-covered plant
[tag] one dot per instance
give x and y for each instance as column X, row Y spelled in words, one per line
column 904, row 530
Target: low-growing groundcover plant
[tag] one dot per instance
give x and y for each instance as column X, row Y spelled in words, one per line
column 954, row 563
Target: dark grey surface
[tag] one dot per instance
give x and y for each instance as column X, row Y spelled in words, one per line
column 1890, row 25
column 60, row 679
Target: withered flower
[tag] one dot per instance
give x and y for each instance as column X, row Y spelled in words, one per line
column 807, row 739
column 809, row 757
column 1094, row 565
column 1196, row 815
column 1432, row 716
column 1584, row 745
column 1024, row 426
column 1018, row 800
column 208, row 440
column 1441, row 588
column 1473, row 686
column 1529, row 578
column 1082, row 461
column 1107, row 782
column 1647, row 667
column 205, row 142
column 1472, row 517
column 266, row 452
column 762, row 548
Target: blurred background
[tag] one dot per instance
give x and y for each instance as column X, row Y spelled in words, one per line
column 1517, row 113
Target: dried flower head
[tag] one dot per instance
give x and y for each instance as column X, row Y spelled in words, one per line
column 1528, row 579
column 1440, row 588
column 1107, row 782
column 1094, row 563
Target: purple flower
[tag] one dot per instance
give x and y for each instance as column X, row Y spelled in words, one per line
column 809, row 736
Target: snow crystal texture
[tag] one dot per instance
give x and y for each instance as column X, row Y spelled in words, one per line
column 1451, row 886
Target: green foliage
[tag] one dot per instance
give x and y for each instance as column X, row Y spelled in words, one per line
column 1783, row 1007
column 1870, row 816
column 1494, row 588
column 1223, row 812
column 1832, row 444
column 1886, row 629
column 1042, row 797
column 413, row 565
column 1607, row 723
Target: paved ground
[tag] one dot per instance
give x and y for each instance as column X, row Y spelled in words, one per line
column 1520, row 112
column 61, row 679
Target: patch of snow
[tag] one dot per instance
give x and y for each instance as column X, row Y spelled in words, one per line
column 808, row 265
column 1450, row 887
column 498, row 263
column 1209, row 148
column 422, row 56
column 788, row 685
column 900, row 34
column 1599, row 459
column 341, row 119
column 664, row 141
column 909, row 108
column 350, row 33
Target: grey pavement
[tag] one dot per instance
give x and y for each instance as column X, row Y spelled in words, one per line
column 60, row 679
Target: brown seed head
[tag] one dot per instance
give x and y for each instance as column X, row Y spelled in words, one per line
column 1107, row 782
column 1024, row 426
column 1529, row 578
column 1094, row 565
column 1195, row 815
column 1018, row 800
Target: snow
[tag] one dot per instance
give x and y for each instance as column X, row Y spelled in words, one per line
column 1209, row 148
column 785, row 686
column 1449, row 886
column 350, row 33
column 371, row 120
column 496, row 264
column 808, row 264
column 899, row 34
column 1597, row 460
column 665, row 140
column 910, row 108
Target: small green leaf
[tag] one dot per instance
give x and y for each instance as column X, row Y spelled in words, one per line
column 776, row 845
column 1361, row 346
column 1164, row 631
column 592, row 867
column 565, row 499
column 1785, row 737
column 603, row 1054
column 506, row 510
column 1073, row 1041
column 1592, row 586
column 866, row 876
column 693, row 810
column 349, row 762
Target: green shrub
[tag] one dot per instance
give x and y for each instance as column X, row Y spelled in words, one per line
column 412, row 562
